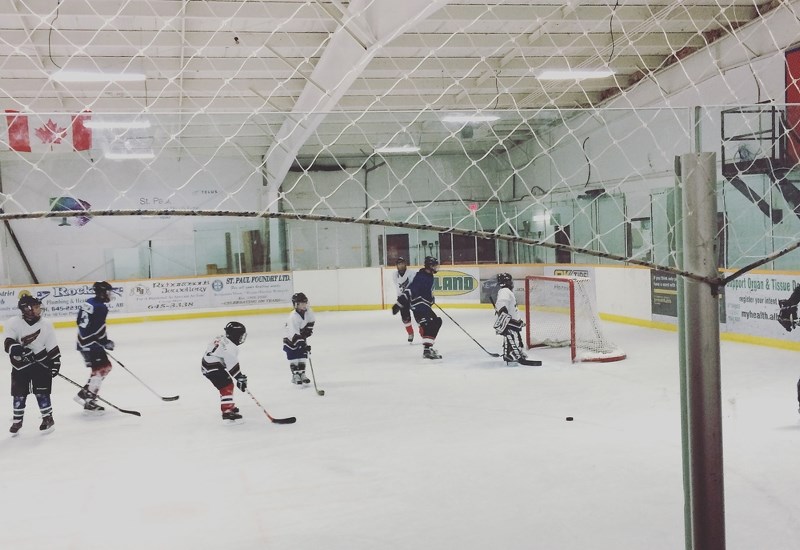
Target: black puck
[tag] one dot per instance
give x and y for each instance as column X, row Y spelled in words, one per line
column 569, row 419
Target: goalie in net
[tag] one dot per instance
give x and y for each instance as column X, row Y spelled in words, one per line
column 560, row 312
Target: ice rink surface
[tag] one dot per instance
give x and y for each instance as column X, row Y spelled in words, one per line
column 401, row 453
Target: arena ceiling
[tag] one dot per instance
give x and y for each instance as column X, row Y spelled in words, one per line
column 383, row 68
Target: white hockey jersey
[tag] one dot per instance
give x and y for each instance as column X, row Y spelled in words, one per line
column 221, row 353
column 40, row 337
column 506, row 299
column 401, row 282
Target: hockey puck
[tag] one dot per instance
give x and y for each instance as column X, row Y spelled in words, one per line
column 569, row 419
column 321, row 392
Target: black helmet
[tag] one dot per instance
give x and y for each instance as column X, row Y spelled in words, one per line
column 431, row 263
column 299, row 298
column 102, row 289
column 505, row 280
column 26, row 304
column 236, row 332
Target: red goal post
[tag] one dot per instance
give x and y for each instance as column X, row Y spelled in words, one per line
column 560, row 312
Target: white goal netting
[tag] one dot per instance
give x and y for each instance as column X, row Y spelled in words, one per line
column 173, row 138
column 561, row 312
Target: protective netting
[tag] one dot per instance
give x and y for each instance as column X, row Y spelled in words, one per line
column 259, row 135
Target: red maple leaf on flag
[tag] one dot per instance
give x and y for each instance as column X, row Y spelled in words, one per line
column 51, row 133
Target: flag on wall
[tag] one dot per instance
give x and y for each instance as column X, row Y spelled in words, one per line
column 33, row 133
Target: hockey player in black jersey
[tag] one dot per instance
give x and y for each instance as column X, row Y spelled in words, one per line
column 30, row 342
column 419, row 297
column 93, row 343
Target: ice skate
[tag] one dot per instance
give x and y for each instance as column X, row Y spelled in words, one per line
column 410, row 337
column 47, row 424
column 91, row 407
column 15, row 427
column 296, row 378
column 82, row 396
column 232, row 417
column 303, row 378
column 430, row 353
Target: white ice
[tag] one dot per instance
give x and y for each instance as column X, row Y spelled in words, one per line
column 401, row 453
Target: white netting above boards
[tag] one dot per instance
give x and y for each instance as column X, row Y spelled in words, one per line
column 511, row 132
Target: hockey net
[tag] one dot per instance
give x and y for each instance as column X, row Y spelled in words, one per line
column 560, row 312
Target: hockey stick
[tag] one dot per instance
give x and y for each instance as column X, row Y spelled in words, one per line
column 289, row 420
column 172, row 398
column 467, row 333
column 134, row 413
column 314, row 378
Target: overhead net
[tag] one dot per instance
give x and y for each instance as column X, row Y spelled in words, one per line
column 265, row 134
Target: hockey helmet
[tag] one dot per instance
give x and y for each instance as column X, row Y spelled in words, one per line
column 236, row 332
column 102, row 290
column 431, row 263
column 505, row 280
column 401, row 264
column 299, row 298
column 30, row 307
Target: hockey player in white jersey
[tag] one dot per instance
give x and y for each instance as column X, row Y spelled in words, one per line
column 30, row 342
column 298, row 329
column 509, row 324
column 220, row 365
column 402, row 278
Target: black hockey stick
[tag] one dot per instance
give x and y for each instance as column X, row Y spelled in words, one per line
column 171, row 398
column 314, row 378
column 467, row 333
column 134, row 413
column 289, row 420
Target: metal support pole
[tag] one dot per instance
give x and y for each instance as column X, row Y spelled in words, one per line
column 701, row 336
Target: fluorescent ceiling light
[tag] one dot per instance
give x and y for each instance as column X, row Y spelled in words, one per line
column 464, row 119
column 573, row 74
column 105, row 124
column 86, row 76
column 397, row 149
column 144, row 155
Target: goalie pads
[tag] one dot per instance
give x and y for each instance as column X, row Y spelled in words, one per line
column 787, row 316
column 501, row 323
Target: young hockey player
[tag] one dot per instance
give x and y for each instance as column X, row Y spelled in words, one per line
column 787, row 317
column 93, row 343
column 299, row 328
column 402, row 278
column 509, row 323
column 30, row 342
column 419, row 297
column 221, row 366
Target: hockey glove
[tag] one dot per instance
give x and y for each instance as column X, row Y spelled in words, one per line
column 501, row 323
column 20, row 355
column 305, row 348
column 395, row 309
column 55, row 366
column 241, row 382
column 787, row 316
column 109, row 345
column 306, row 331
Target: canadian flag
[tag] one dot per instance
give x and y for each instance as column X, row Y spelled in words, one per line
column 43, row 133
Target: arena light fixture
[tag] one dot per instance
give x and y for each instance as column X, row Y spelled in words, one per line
column 470, row 118
column 121, row 124
column 397, row 149
column 89, row 76
column 573, row 74
column 132, row 155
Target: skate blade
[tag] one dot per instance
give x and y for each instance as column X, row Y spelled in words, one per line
column 93, row 413
column 47, row 431
column 233, row 422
